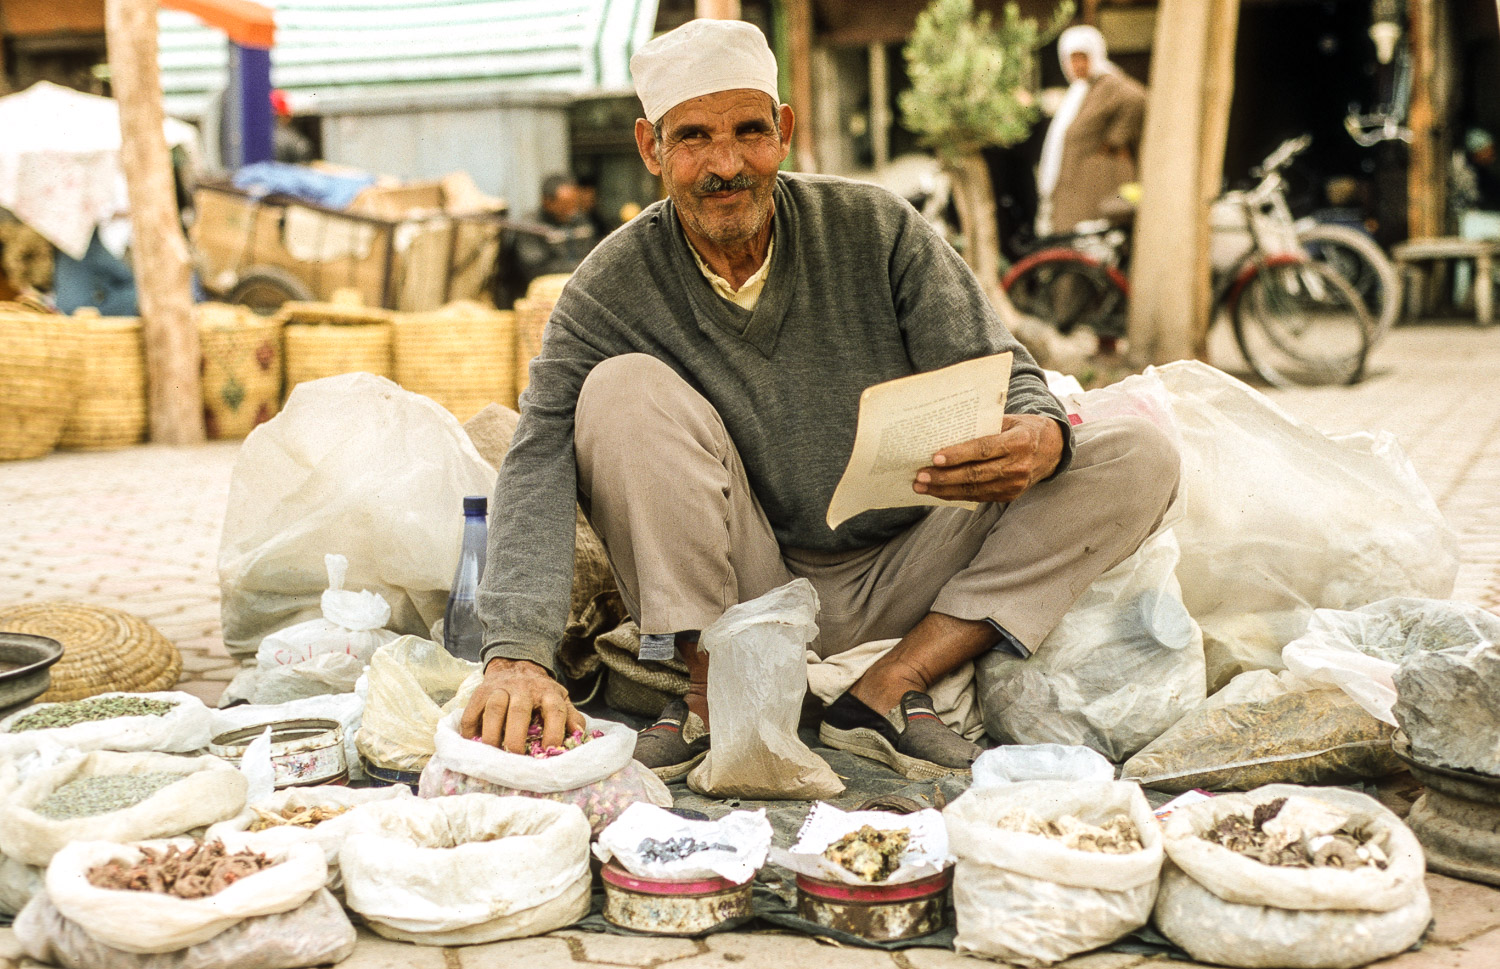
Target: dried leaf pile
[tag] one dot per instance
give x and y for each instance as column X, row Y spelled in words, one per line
column 300, row 817
column 1294, row 843
column 870, row 853
column 1117, row 836
column 200, row 871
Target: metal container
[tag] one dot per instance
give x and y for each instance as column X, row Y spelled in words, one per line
column 25, row 667
column 672, row 908
column 880, row 913
column 389, row 776
column 1457, row 819
column 304, row 753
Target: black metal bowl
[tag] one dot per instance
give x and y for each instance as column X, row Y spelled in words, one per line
column 25, row 667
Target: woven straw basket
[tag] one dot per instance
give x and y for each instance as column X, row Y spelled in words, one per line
column 325, row 339
column 532, row 311
column 242, row 362
column 111, row 411
column 463, row 357
column 104, row 650
column 40, row 369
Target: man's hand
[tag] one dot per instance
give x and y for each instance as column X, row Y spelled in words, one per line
column 1000, row 467
column 503, row 704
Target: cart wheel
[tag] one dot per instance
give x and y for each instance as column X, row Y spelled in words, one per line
column 265, row 288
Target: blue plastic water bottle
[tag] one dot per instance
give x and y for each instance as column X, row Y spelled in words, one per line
column 463, row 634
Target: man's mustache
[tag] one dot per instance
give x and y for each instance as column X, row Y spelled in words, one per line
column 714, row 183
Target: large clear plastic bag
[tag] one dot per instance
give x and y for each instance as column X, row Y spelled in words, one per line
column 1225, row 908
column 356, row 465
column 352, row 624
column 1279, row 519
column 467, row 869
column 599, row 777
column 315, row 933
column 411, row 684
column 1122, row 666
column 757, row 678
column 1266, row 728
column 1030, row 900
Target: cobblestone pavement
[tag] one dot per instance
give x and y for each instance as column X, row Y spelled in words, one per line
column 139, row 529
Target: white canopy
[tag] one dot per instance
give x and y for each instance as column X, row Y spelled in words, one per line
column 60, row 162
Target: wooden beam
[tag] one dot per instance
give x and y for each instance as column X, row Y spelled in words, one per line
column 1423, row 218
column 1182, row 158
column 800, row 43
column 159, row 251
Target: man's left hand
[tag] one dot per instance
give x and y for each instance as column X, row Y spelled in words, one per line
column 1000, row 467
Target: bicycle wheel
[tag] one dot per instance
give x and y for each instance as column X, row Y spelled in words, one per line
column 265, row 288
column 1066, row 290
column 1299, row 322
column 1359, row 259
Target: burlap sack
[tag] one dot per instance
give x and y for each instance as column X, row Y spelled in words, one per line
column 596, row 607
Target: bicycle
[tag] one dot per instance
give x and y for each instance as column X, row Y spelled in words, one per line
column 1295, row 319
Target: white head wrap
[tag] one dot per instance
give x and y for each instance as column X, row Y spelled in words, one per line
column 702, row 57
column 1087, row 40
column 1073, row 40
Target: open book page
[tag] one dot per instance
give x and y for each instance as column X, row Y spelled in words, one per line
column 904, row 422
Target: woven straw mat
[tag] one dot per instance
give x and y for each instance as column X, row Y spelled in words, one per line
column 104, row 650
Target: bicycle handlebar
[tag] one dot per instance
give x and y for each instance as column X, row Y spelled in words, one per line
column 1282, row 156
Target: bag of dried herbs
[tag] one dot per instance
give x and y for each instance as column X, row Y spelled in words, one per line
column 1291, row 877
column 1048, row 869
column 167, row 722
column 171, row 904
column 312, row 815
column 112, row 796
column 595, row 771
column 466, row 869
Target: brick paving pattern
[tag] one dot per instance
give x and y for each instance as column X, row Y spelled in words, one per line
column 138, row 529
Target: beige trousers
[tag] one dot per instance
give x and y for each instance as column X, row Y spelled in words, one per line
column 663, row 486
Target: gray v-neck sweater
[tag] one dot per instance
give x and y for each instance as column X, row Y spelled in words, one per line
column 860, row 290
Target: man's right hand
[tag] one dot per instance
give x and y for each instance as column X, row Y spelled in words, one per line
column 512, row 692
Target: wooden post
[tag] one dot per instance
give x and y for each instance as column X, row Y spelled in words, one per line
column 800, row 43
column 1420, row 223
column 718, row 9
column 1182, row 159
column 160, row 255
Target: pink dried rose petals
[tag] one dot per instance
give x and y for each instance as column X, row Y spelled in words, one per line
column 534, row 741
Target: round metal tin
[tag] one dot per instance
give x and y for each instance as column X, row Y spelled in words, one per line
column 304, row 752
column 672, row 907
column 881, row 913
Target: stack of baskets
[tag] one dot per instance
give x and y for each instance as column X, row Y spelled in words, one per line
column 40, row 370
column 241, row 368
column 532, row 311
column 111, row 408
column 340, row 336
column 462, row 356
column 104, row 650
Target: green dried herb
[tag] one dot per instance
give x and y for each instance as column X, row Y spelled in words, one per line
column 102, row 793
column 94, row 708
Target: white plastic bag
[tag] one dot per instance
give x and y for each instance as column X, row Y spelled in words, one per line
column 1226, row 908
column 210, row 791
column 315, row 933
column 353, row 463
column 154, row 922
column 1030, row 900
column 181, row 729
column 352, row 624
column 467, row 869
column 347, row 708
column 1123, row 665
column 927, row 850
column 599, row 776
column 1039, row 762
column 412, row 683
column 327, row 835
column 18, row 882
column 1280, row 519
column 757, row 678
column 737, row 844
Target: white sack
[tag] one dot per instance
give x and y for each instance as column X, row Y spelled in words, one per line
column 1027, row 899
column 353, row 464
column 420, row 870
column 18, row 882
column 212, row 791
column 585, row 764
column 154, row 922
column 182, row 729
column 411, row 684
column 1123, row 665
column 745, row 837
column 1280, row 519
column 352, row 625
column 1223, row 907
column 757, row 681
column 1013, row 764
column 315, row 933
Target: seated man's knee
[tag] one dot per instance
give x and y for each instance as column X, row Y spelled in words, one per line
column 1147, row 459
column 619, row 390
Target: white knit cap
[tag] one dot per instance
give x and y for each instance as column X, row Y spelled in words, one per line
column 702, row 57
